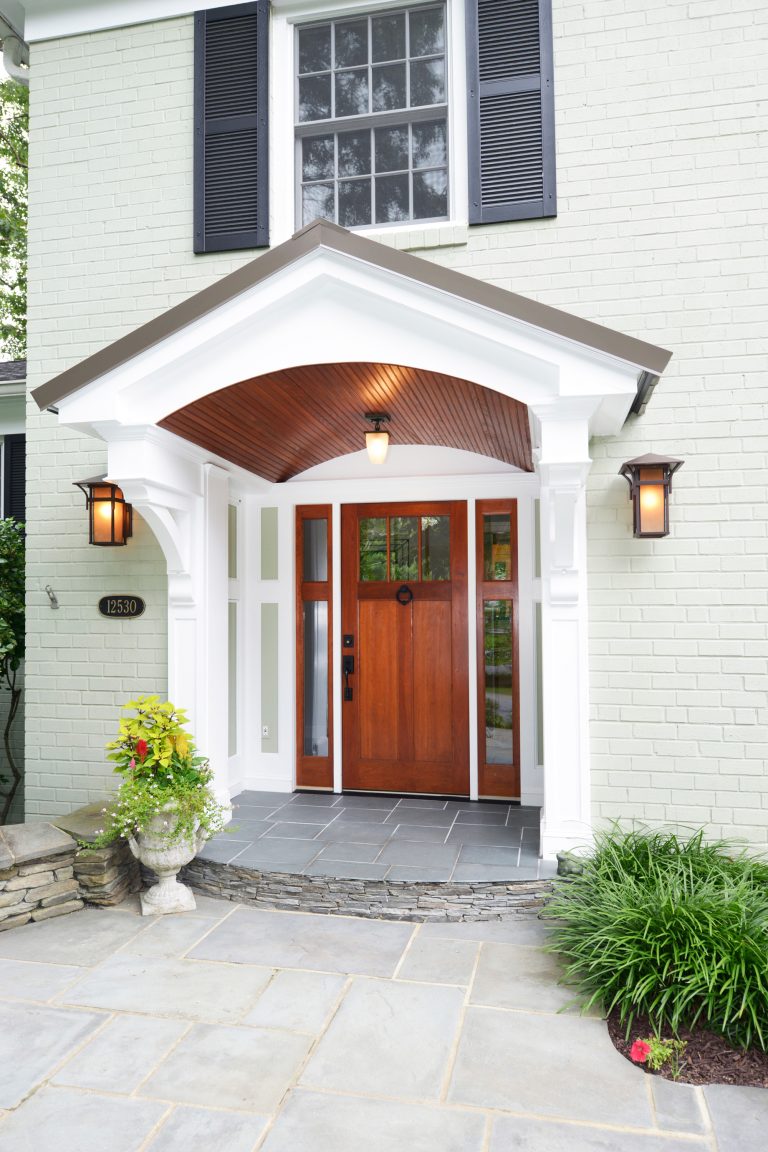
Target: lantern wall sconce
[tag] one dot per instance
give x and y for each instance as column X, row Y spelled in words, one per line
column 650, row 482
column 110, row 518
column 377, row 441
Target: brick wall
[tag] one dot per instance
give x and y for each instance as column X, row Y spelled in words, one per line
column 660, row 234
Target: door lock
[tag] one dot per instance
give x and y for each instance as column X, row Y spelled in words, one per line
column 348, row 668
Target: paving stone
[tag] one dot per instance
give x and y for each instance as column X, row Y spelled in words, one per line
column 315, row 800
column 250, row 829
column 296, row 940
column 359, row 815
column 364, row 833
column 169, row 936
column 484, row 816
column 362, row 853
column 163, row 987
column 20, row 980
column 242, row 1068
column 367, row 801
column 66, row 1120
column 262, row 799
column 389, row 1039
column 292, row 831
column 739, row 1117
column 426, row 817
column 122, row 1055
column 252, row 814
column 85, row 938
column 33, row 1040
column 437, row 961
column 297, row 1001
column 421, row 802
column 476, row 834
column 490, row 854
column 515, row 976
column 312, row 1122
column 278, row 855
column 520, row 1134
column 418, row 834
column 28, row 842
column 193, row 1129
column 223, row 849
column 555, row 1066
column 515, row 929
column 678, row 1107
column 412, row 855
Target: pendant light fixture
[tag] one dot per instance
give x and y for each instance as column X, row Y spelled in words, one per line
column 377, row 441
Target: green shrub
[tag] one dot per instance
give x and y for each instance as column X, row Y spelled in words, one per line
column 673, row 929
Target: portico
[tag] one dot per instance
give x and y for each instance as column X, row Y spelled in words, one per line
column 246, row 403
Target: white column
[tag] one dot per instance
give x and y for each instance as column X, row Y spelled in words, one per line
column 563, row 466
column 212, row 709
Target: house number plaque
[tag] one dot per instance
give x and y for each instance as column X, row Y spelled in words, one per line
column 121, row 607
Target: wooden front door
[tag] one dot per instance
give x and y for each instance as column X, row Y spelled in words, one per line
column 405, row 711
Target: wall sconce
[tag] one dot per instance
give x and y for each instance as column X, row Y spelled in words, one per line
column 377, row 441
column 110, row 519
column 650, row 482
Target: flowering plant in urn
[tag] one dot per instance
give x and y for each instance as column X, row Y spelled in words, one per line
column 165, row 807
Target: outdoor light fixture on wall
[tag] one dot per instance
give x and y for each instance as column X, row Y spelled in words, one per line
column 377, row 441
column 650, row 482
column 110, row 519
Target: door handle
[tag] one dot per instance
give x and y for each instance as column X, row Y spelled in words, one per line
column 404, row 595
column 348, row 668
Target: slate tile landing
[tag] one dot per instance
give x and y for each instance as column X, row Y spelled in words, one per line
column 381, row 837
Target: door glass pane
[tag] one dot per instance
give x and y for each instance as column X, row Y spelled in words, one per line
column 497, row 547
column 232, row 541
column 315, row 550
column 435, row 547
column 497, row 646
column 315, row 677
column 404, row 548
column 373, row 548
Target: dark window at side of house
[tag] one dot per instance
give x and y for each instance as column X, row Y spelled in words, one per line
column 14, row 476
column 511, row 134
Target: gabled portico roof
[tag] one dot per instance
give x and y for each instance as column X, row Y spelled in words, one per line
column 649, row 360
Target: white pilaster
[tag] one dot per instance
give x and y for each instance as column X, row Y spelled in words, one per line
column 563, row 466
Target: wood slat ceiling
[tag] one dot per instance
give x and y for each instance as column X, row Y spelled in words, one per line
column 280, row 424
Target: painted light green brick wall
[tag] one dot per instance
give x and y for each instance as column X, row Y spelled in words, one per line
column 660, row 234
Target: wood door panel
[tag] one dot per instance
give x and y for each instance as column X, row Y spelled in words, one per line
column 378, row 681
column 432, row 688
column 406, row 727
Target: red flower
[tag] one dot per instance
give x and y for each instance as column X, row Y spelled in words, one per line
column 141, row 750
column 639, row 1052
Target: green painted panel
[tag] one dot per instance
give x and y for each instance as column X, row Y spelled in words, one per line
column 269, row 543
column 269, row 699
column 232, row 541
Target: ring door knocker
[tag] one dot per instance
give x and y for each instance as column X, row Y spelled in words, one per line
column 404, row 595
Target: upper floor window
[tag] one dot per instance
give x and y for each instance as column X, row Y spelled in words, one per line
column 371, row 118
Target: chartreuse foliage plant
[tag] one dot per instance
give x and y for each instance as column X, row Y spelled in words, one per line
column 163, row 775
column 671, row 928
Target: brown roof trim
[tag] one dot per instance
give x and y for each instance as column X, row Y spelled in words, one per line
column 319, row 234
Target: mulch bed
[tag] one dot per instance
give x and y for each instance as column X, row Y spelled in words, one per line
column 708, row 1059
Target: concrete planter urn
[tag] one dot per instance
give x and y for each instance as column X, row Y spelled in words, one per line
column 156, row 849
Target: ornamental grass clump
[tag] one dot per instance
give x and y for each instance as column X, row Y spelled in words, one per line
column 669, row 928
column 163, row 775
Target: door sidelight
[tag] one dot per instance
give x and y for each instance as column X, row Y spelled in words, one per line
column 348, row 668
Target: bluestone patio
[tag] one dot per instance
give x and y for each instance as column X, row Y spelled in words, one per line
column 239, row 1029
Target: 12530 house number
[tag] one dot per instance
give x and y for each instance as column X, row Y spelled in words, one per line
column 121, row 607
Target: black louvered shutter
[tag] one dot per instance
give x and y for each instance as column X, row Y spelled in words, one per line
column 231, row 127
column 511, row 110
column 14, row 476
